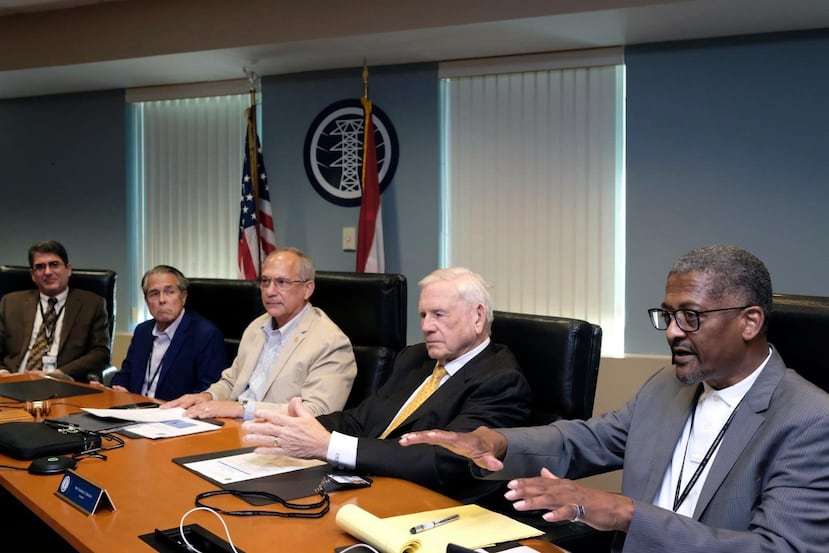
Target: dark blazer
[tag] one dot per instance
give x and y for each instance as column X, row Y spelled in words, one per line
column 195, row 359
column 489, row 390
column 84, row 335
column 767, row 487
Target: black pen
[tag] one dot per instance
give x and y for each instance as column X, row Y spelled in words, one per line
column 431, row 524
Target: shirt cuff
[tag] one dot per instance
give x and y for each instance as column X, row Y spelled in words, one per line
column 342, row 451
column 250, row 409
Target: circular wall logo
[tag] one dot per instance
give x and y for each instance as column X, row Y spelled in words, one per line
column 333, row 151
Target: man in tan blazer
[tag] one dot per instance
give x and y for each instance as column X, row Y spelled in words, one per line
column 77, row 338
column 293, row 350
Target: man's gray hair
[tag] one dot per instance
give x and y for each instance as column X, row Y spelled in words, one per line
column 471, row 287
column 737, row 273
column 306, row 266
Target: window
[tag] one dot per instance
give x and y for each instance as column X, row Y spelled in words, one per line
column 188, row 168
column 533, row 183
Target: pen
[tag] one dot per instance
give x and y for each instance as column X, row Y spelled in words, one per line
column 431, row 524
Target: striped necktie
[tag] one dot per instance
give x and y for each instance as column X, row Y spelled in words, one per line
column 45, row 337
column 422, row 395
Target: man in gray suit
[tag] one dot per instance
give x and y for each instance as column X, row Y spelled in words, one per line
column 725, row 453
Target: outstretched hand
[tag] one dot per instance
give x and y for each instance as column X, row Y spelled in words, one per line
column 483, row 446
column 296, row 433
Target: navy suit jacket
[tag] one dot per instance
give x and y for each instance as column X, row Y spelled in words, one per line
column 195, row 359
column 489, row 390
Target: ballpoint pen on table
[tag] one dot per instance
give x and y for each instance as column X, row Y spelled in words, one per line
column 433, row 523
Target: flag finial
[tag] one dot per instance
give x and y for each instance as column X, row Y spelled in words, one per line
column 365, row 79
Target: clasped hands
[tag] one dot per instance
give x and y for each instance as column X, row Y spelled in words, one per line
column 564, row 500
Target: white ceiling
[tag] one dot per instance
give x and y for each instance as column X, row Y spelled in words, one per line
column 563, row 25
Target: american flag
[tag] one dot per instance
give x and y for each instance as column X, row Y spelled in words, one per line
column 256, row 236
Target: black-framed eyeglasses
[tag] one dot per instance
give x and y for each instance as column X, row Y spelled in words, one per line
column 40, row 267
column 281, row 283
column 688, row 320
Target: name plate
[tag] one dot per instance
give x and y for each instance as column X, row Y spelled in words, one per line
column 83, row 494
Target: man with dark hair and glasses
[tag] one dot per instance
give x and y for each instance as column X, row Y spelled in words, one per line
column 293, row 350
column 725, row 453
column 54, row 329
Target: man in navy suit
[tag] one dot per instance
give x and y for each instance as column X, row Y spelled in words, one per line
column 177, row 352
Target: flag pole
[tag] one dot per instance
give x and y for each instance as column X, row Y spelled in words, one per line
column 253, row 155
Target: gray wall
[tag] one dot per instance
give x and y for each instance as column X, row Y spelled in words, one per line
column 726, row 143
column 304, row 219
column 63, row 178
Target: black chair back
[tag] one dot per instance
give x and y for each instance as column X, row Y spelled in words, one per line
column 230, row 304
column 797, row 327
column 369, row 308
column 560, row 359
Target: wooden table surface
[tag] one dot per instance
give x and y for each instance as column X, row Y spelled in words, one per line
column 151, row 492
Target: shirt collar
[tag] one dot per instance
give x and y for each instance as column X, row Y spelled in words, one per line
column 733, row 394
column 284, row 330
column 170, row 330
column 44, row 299
column 455, row 365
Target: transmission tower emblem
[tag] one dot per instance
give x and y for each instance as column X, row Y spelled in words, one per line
column 333, row 151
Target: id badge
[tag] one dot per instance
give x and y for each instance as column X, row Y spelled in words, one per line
column 50, row 363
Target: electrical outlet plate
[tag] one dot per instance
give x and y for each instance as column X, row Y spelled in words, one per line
column 349, row 239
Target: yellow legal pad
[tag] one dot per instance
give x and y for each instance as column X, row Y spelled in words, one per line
column 475, row 527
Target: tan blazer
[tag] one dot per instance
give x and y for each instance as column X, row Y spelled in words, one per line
column 318, row 365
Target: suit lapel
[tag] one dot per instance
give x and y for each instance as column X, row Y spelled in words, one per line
column 28, row 317
column 661, row 447
column 748, row 418
column 289, row 347
column 70, row 313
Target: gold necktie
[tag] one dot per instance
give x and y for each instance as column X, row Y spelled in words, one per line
column 422, row 395
column 44, row 339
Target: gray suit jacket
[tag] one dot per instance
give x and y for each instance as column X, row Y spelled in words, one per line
column 84, row 335
column 317, row 364
column 768, row 486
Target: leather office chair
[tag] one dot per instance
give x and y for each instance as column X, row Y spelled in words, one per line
column 797, row 327
column 230, row 304
column 99, row 281
column 560, row 359
column 369, row 308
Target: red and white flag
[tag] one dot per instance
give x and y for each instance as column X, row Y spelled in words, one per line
column 370, row 258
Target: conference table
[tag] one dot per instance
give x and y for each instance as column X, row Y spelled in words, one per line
column 150, row 491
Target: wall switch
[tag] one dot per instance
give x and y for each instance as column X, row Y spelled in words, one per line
column 349, row 239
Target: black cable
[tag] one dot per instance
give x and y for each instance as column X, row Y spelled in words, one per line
column 11, row 467
column 323, row 504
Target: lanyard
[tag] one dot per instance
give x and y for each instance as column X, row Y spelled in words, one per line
column 149, row 379
column 680, row 497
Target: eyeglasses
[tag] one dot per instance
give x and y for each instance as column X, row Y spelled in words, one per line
column 688, row 320
column 40, row 267
column 281, row 283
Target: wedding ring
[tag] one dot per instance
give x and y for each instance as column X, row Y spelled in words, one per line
column 579, row 512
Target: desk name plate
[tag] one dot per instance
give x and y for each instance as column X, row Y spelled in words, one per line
column 83, row 494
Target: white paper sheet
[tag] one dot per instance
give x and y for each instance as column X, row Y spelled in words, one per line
column 247, row 466
column 140, row 415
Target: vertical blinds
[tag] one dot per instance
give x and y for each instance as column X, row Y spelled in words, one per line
column 533, row 181
column 188, row 172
